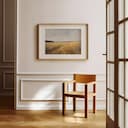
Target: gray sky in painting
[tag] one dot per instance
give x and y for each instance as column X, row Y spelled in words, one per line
column 63, row 34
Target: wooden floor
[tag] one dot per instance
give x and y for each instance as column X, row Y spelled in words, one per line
column 50, row 119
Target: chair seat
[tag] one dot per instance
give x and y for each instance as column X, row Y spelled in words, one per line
column 78, row 93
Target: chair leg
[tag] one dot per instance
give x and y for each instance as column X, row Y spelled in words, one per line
column 74, row 104
column 94, row 104
column 86, row 102
column 74, row 99
column 63, row 99
column 63, row 105
column 94, row 98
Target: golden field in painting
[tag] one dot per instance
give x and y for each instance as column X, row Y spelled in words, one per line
column 69, row 47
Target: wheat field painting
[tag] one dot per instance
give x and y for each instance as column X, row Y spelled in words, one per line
column 63, row 41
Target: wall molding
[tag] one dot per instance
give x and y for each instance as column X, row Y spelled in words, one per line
column 100, row 77
column 40, row 73
column 7, row 67
column 55, row 73
column 4, row 60
column 55, row 105
column 26, row 103
column 7, row 94
column 23, row 99
column 4, row 81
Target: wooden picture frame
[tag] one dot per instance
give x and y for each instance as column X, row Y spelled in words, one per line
column 62, row 41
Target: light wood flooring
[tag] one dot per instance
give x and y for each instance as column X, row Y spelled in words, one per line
column 50, row 119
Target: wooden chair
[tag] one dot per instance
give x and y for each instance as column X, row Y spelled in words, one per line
column 86, row 80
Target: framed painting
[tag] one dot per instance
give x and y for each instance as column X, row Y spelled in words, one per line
column 62, row 41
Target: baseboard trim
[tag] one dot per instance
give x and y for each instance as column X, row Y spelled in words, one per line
column 58, row 106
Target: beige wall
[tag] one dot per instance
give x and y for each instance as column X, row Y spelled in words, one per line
column 33, row 12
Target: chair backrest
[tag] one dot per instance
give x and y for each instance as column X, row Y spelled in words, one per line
column 84, row 78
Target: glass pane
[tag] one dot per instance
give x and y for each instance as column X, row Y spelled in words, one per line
column 126, row 8
column 111, row 105
column 121, row 9
column 121, row 113
column 111, row 47
column 108, row 103
column 108, row 18
column 108, row 84
column 108, row 45
column 111, row 76
column 121, row 41
column 121, row 78
column 126, row 114
column 111, row 14
column 126, row 39
column 126, row 81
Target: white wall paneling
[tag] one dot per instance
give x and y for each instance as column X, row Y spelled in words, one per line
column 8, row 80
column 41, row 89
column 38, row 76
column 38, row 91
